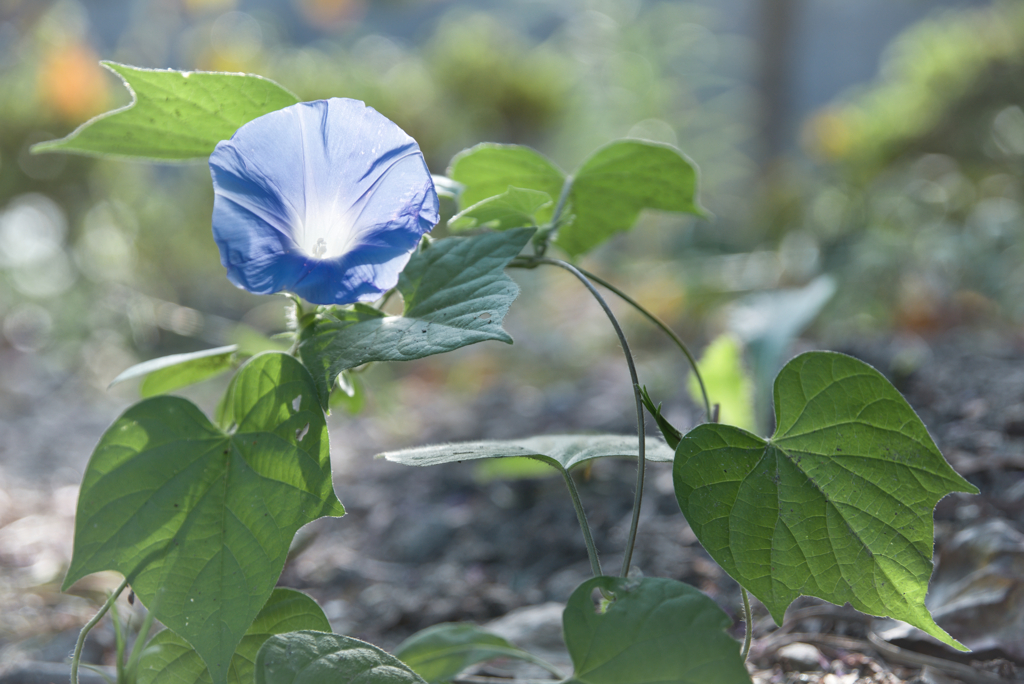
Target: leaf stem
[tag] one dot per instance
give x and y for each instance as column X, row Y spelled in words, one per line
column 749, row 624
column 80, row 644
column 641, row 436
column 664, row 328
column 581, row 515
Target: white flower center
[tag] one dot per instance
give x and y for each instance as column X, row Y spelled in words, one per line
column 325, row 235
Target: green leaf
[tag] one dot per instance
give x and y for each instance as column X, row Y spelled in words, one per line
column 456, row 293
column 837, row 504
column 606, row 194
column 488, row 169
column 199, row 519
column 654, row 631
column 440, row 652
column 173, row 114
column 169, row 373
column 513, row 208
column 727, row 382
column 618, row 181
column 169, row 657
column 316, row 658
column 563, row 452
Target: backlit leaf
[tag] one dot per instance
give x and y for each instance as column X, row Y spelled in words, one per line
column 514, row 208
column 604, row 196
column 488, row 169
column 173, row 115
column 614, row 184
column 198, row 517
column 837, row 504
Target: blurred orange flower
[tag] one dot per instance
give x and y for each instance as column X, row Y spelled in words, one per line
column 330, row 13
column 72, row 84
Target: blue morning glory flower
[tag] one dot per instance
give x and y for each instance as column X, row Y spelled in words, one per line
column 324, row 199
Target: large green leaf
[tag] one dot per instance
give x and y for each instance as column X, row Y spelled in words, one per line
column 514, row 208
column 440, row 652
column 618, row 181
column 168, row 657
column 316, row 658
column 456, row 293
column 654, row 631
column 837, row 504
column 173, row 114
column 199, row 518
column 488, row 169
column 169, row 373
column 563, row 452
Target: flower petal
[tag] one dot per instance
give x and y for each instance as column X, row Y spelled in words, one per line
column 326, row 199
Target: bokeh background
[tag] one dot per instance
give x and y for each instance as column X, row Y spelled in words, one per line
column 878, row 144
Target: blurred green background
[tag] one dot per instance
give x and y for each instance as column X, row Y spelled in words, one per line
column 878, row 142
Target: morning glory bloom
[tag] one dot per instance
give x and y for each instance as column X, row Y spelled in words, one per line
column 324, row 199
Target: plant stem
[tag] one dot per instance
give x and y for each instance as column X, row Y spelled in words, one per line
column 581, row 515
column 749, row 624
column 664, row 328
column 641, row 436
column 80, row 644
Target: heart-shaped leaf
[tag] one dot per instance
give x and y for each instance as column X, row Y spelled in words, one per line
column 654, row 631
column 169, row 373
column 199, row 518
column 317, row 658
column 169, row 657
column 173, row 114
column 440, row 652
column 619, row 180
column 563, row 452
column 514, row 208
column 837, row 504
column 456, row 293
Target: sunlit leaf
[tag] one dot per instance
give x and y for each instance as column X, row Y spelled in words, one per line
column 168, row 657
column 654, row 631
column 614, row 184
column 837, row 504
column 440, row 652
column 488, row 169
column 456, row 293
column 169, row 373
column 604, row 196
column 316, row 658
column 173, row 115
column 514, row 208
column 198, row 517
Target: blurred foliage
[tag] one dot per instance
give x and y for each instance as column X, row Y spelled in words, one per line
column 916, row 203
column 102, row 263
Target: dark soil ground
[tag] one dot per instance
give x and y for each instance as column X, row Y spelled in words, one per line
column 422, row 546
